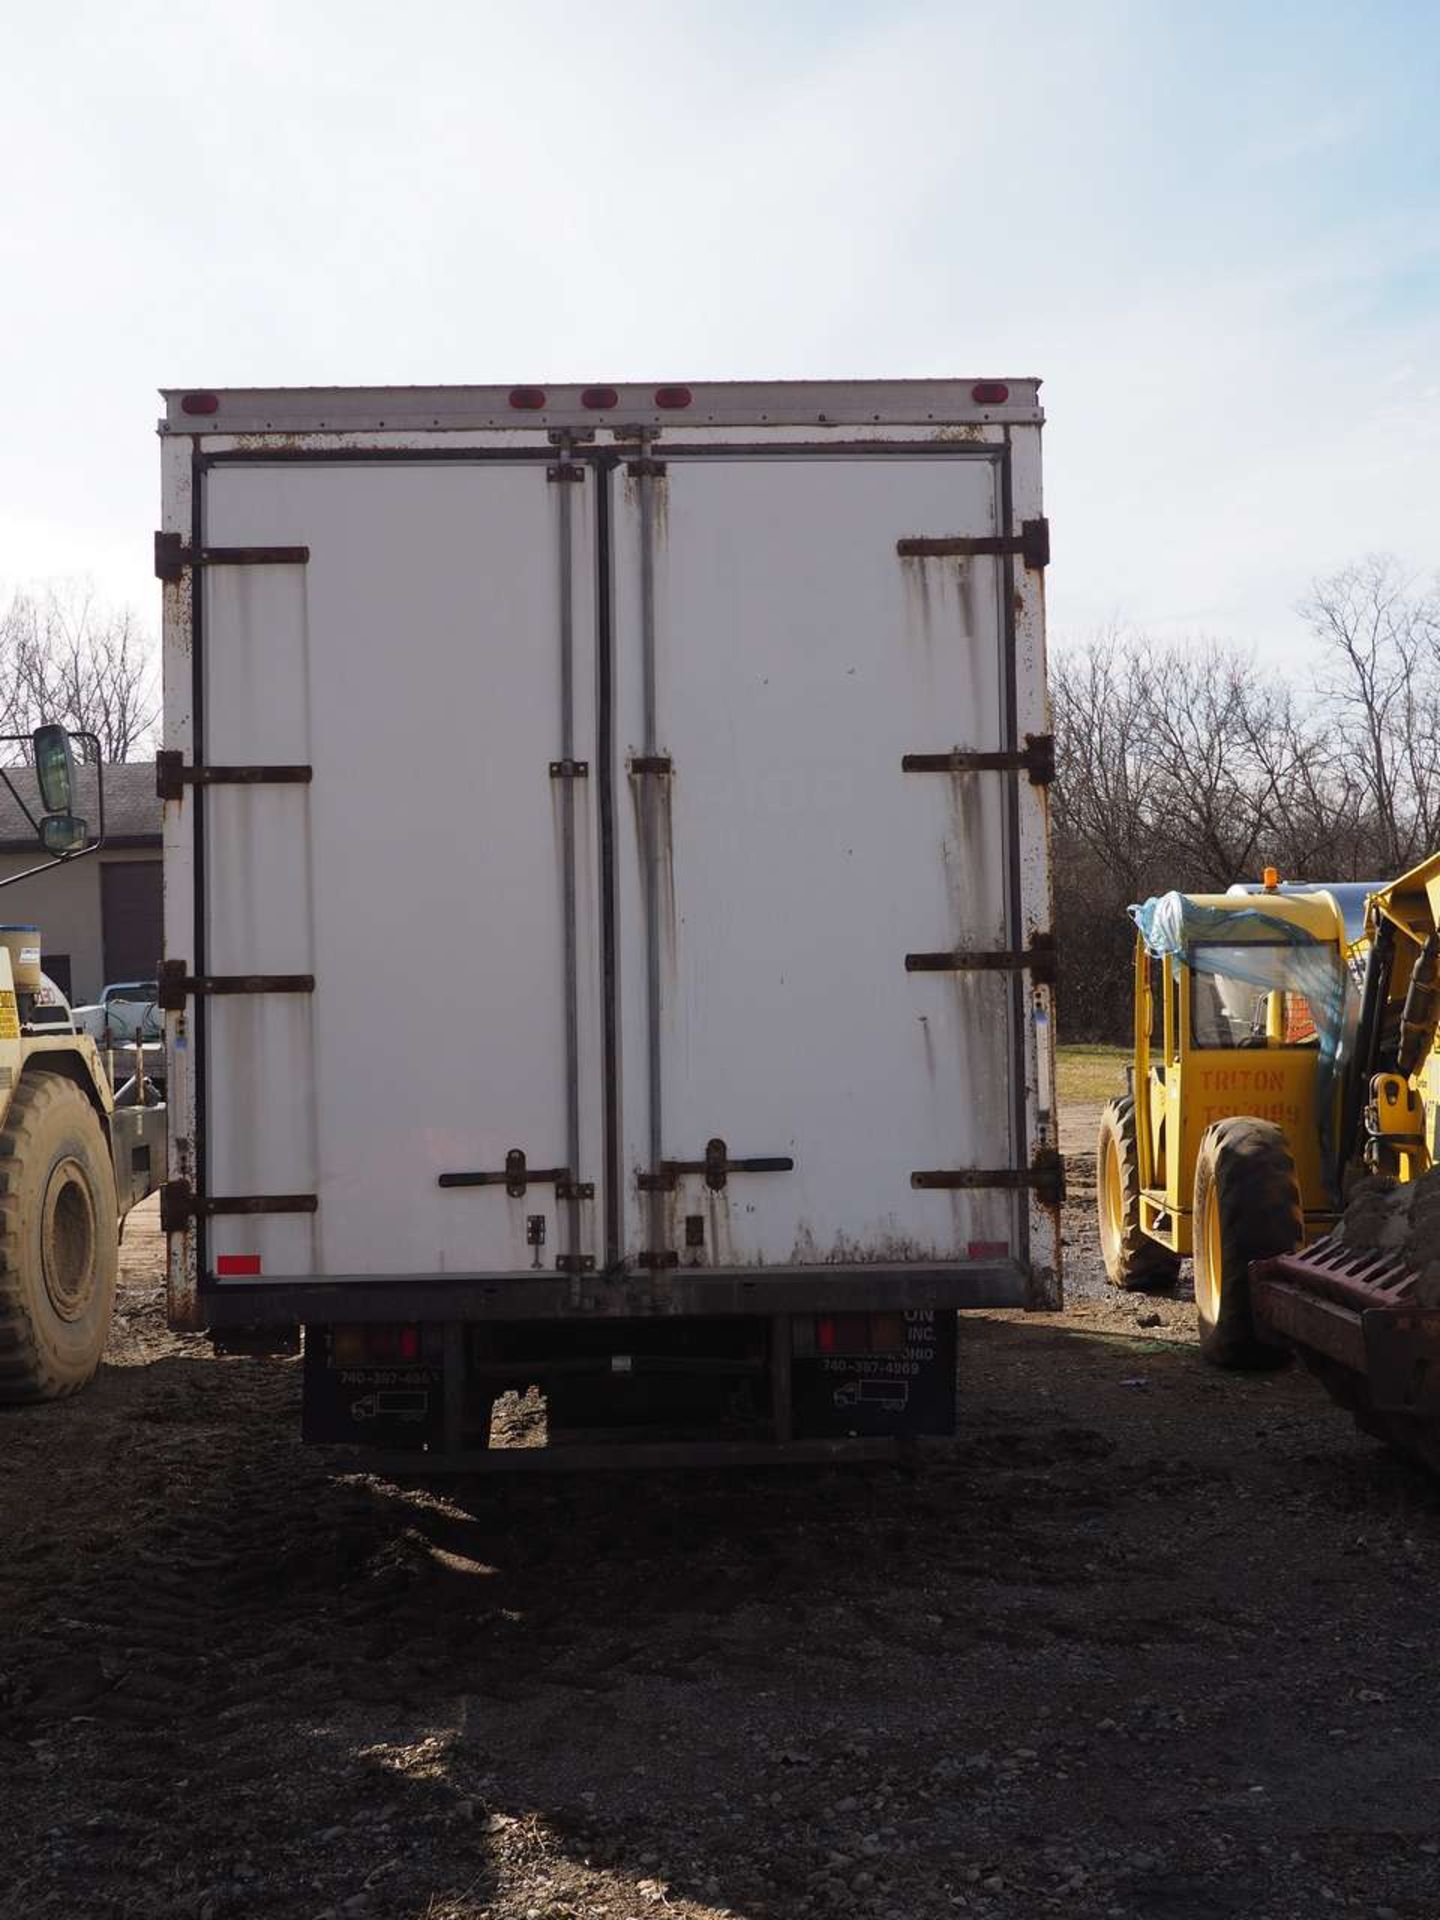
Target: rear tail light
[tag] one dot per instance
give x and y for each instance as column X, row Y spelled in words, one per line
column 375, row 1346
column 527, row 399
column 847, row 1333
column 347, row 1346
column 672, row 396
column 887, row 1332
column 990, row 393
column 598, row 397
column 200, row 403
column 228, row 1265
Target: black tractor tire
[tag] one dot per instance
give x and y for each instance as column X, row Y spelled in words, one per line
column 59, row 1240
column 1247, row 1207
column 1132, row 1259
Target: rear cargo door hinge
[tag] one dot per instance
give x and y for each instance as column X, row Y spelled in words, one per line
column 1044, row 1177
column 1036, row 758
column 1031, row 544
column 645, row 469
column 180, row 1204
column 172, row 557
column 1038, row 959
column 172, row 776
column 565, row 473
column 176, row 986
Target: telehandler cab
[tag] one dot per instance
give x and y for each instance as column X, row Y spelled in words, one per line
column 1218, row 1149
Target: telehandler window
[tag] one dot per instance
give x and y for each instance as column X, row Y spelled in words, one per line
column 1230, row 1007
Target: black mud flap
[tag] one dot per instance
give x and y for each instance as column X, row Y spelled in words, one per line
column 397, row 1408
column 878, row 1395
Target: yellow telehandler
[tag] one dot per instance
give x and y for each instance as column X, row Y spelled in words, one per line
column 1281, row 1129
column 75, row 1155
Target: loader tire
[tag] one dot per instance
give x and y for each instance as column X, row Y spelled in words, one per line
column 1247, row 1207
column 1132, row 1259
column 59, row 1240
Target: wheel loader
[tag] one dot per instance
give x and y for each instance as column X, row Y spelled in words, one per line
column 1281, row 1127
column 75, row 1156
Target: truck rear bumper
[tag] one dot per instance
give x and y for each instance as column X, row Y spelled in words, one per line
column 541, row 1295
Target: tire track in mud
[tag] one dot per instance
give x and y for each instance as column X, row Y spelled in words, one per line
column 252, row 1587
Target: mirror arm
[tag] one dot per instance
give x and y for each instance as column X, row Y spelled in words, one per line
column 15, row 793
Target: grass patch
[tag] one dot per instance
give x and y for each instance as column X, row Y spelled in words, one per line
column 1090, row 1073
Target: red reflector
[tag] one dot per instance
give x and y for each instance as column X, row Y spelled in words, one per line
column 988, row 1250
column 200, row 403
column 672, row 396
column 989, row 393
column 233, row 1263
column 597, row 397
column 409, row 1343
column 527, row 399
column 825, row 1335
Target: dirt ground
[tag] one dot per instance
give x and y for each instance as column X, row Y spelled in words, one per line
column 1146, row 1641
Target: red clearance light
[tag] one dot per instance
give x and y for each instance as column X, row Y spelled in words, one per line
column 672, row 396
column 527, row 399
column 234, row 1263
column 409, row 1343
column 825, row 1335
column 990, row 393
column 200, row 403
column 597, row 397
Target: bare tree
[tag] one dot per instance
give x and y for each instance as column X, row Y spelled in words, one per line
column 1186, row 765
column 65, row 657
column 1382, row 639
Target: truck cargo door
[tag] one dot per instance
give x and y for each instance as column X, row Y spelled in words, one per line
column 430, row 661
column 805, row 1060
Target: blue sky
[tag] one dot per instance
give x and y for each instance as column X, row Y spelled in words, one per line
column 1214, row 231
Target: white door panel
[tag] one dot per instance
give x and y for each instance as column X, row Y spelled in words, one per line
column 414, row 663
column 797, row 659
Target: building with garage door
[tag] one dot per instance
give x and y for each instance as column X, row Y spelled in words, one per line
column 99, row 917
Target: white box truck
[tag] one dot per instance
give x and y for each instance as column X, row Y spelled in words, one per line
column 607, row 903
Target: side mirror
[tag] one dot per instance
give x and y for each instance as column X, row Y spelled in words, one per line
column 62, row 833
column 55, row 773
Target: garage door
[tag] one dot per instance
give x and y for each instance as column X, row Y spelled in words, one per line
column 130, row 919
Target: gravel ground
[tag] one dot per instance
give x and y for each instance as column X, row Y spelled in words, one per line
column 1147, row 1641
